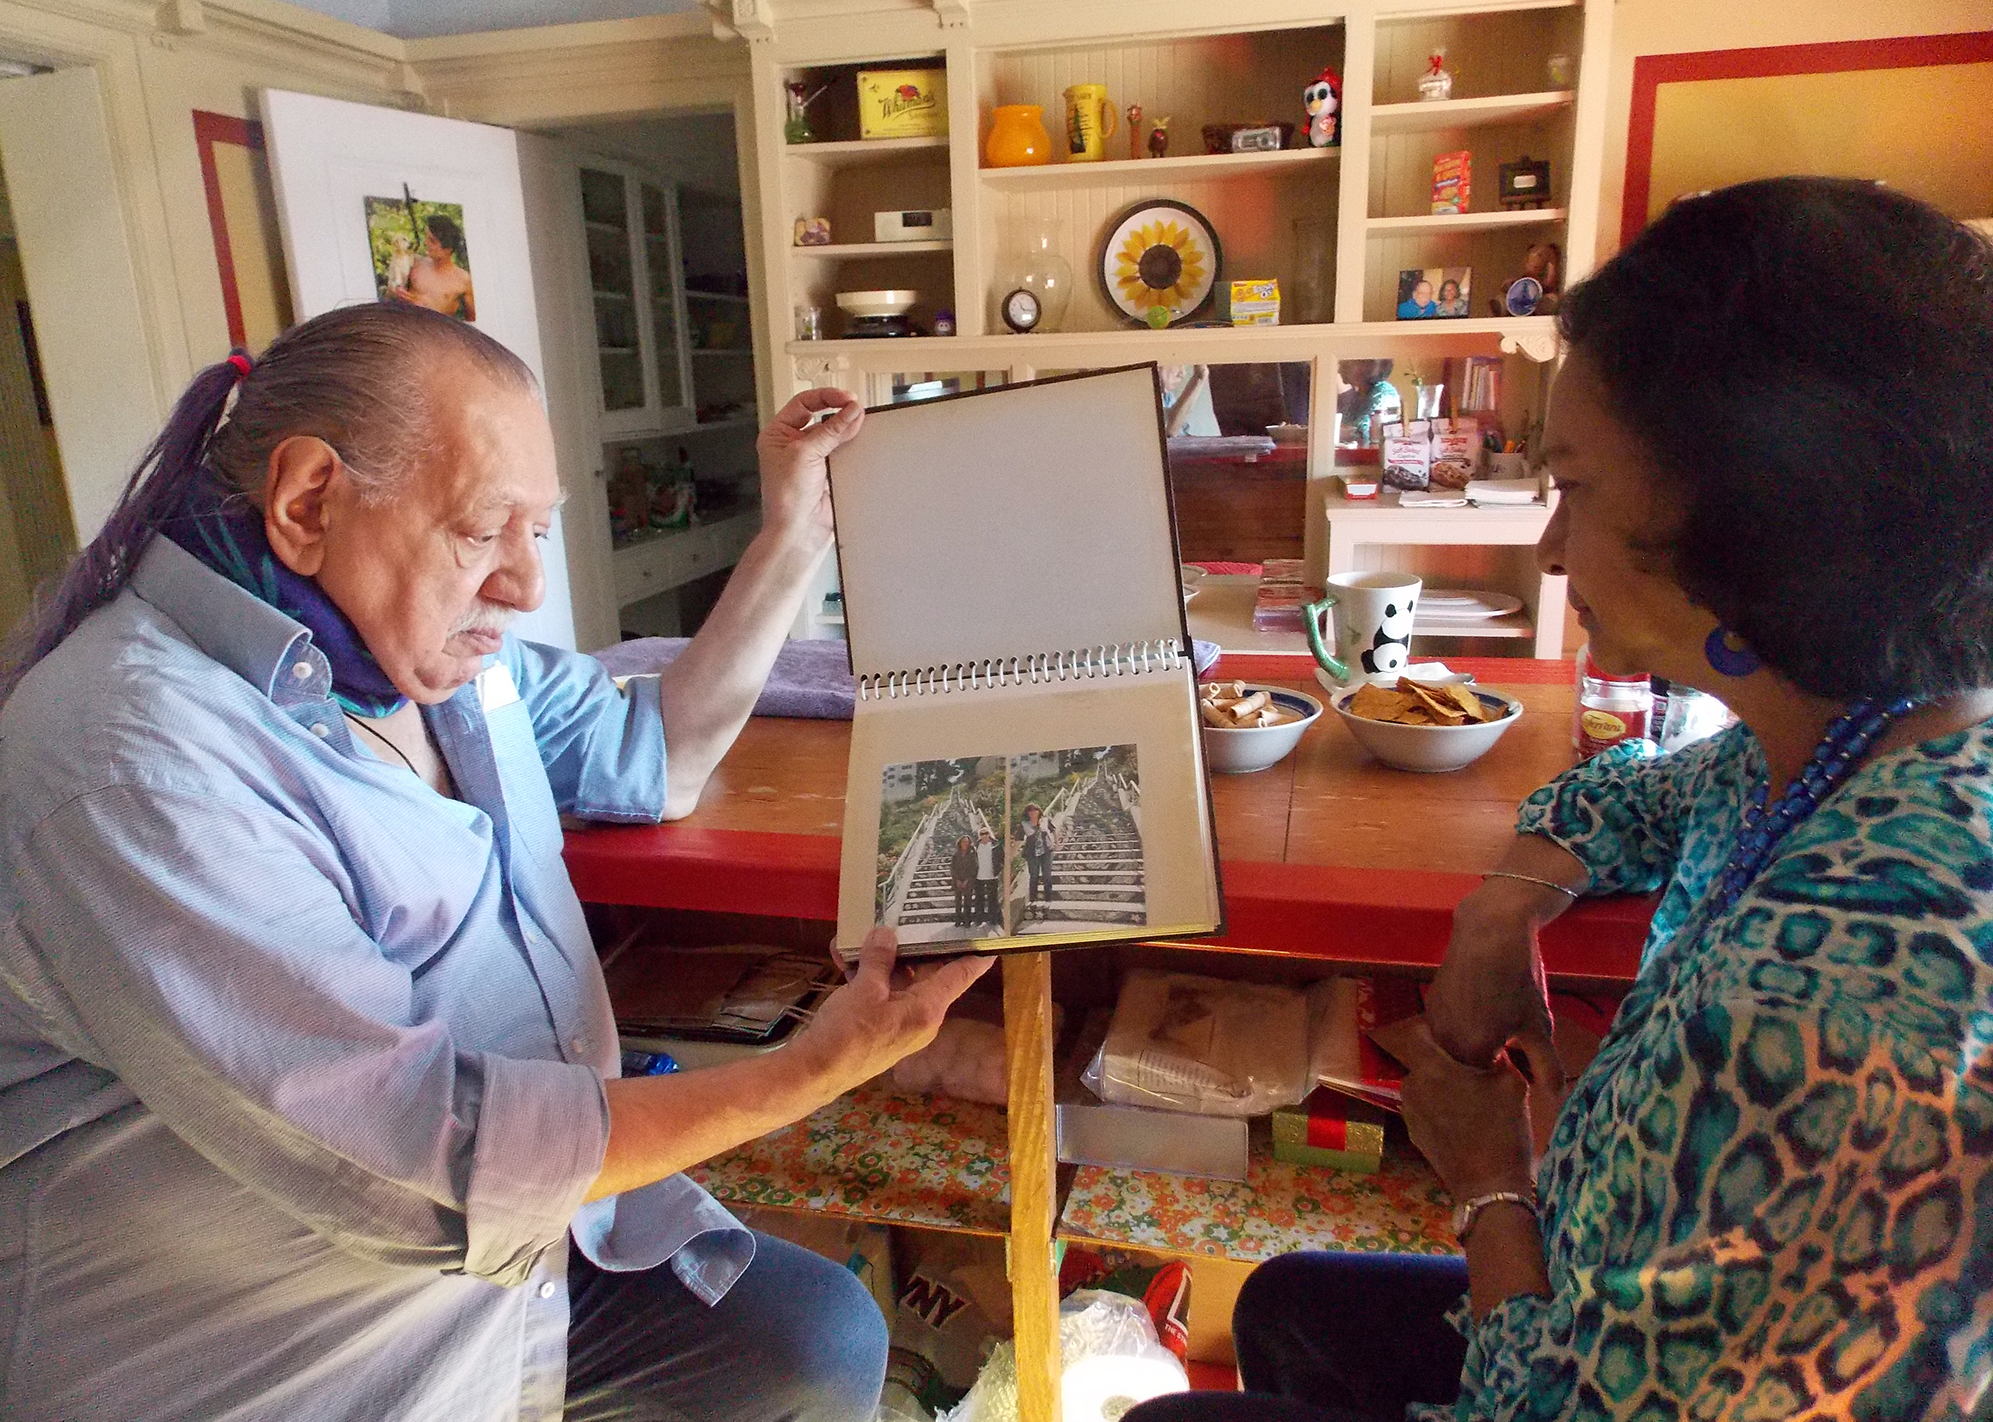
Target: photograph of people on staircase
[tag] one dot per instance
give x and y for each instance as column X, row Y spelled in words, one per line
column 1076, row 840
column 941, row 850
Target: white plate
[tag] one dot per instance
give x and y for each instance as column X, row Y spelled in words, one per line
column 1459, row 605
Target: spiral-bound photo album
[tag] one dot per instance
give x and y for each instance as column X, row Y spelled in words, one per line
column 1026, row 769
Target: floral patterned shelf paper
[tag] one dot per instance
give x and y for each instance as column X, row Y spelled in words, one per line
column 882, row 1155
column 1280, row 1208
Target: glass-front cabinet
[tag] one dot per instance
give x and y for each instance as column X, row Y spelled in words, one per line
column 636, row 292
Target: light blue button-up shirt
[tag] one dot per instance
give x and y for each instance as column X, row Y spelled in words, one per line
column 300, row 1062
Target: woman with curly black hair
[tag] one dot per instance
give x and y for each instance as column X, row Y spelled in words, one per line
column 1771, row 1193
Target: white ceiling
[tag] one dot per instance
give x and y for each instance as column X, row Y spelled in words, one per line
column 414, row 19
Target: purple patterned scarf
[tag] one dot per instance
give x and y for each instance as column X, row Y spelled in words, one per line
column 224, row 530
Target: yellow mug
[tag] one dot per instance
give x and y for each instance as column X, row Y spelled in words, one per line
column 1090, row 122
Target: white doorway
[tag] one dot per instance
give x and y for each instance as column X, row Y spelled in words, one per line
column 37, row 533
column 68, row 285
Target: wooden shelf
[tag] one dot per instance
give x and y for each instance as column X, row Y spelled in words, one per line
column 1160, row 170
column 837, row 251
column 1468, row 113
column 1465, row 221
column 1384, row 520
column 881, row 1155
column 1535, row 335
column 864, row 152
column 1279, row 1208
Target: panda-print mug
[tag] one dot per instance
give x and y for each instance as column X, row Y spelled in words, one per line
column 1373, row 625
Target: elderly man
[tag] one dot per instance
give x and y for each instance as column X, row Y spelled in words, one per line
column 309, row 1104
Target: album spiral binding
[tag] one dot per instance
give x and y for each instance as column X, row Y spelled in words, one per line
column 1026, row 769
column 1039, row 670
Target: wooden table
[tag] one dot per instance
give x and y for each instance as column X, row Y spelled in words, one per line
column 1327, row 855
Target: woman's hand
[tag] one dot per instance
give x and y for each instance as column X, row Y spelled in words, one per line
column 870, row 1023
column 1470, row 1123
column 1490, row 990
column 795, row 474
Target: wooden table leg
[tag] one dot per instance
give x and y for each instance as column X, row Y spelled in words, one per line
column 1034, row 1284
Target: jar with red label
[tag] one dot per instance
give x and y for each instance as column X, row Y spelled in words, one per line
column 1611, row 709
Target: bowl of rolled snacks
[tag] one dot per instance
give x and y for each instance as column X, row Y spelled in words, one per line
column 1425, row 727
column 1249, row 726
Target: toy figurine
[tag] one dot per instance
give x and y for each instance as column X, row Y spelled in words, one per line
column 1159, row 137
column 1323, row 102
column 1134, row 130
column 796, row 127
column 1534, row 293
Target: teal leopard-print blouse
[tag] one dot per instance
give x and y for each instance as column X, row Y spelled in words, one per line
column 1771, row 1194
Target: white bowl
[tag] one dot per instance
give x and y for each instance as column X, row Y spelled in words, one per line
column 1418, row 671
column 1428, row 749
column 877, row 303
column 1248, row 748
column 1288, row 434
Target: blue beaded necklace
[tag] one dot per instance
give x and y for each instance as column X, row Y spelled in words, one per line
column 1840, row 750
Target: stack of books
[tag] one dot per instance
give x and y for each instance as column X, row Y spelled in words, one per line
column 1278, row 602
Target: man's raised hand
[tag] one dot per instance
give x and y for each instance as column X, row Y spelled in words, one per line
column 795, row 478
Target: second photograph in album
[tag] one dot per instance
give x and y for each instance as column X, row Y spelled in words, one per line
column 941, row 851
column 1076, row 841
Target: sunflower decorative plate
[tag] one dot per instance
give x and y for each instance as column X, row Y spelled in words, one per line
column 1159, row 263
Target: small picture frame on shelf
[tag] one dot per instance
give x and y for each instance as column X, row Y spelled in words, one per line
column 1435, row 293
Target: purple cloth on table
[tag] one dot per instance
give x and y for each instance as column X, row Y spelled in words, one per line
column 811, row 679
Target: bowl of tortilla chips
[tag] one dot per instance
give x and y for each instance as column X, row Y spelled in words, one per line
column 1425, row 727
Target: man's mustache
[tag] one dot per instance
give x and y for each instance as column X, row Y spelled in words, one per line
column 490, row 618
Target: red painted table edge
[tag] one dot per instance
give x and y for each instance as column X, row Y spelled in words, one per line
column 1386, row 918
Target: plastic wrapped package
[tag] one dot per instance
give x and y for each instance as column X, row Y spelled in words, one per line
column 965, row 1060
column 1111, row 1361
column 1180, row 1042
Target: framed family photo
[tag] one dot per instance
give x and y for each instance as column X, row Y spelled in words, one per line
column 1431, row 293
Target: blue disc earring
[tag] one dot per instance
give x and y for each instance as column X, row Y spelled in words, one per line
column 1729, row 660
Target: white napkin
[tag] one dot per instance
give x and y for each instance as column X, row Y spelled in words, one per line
column 1432, row 499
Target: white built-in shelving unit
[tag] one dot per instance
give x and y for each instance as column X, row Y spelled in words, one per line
column 1356, row 214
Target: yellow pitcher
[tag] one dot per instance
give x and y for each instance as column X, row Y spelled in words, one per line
column 1090, row 122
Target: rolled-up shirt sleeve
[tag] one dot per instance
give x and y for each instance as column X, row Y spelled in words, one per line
column 1624, row 812
column 203, row 949
column 602, row 744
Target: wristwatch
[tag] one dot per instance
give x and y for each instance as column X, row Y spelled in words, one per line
column 1469, row 1211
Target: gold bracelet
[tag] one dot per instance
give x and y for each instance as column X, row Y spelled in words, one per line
column 1575, row 894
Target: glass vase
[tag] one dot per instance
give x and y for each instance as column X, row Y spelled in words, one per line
column 1041, row 270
